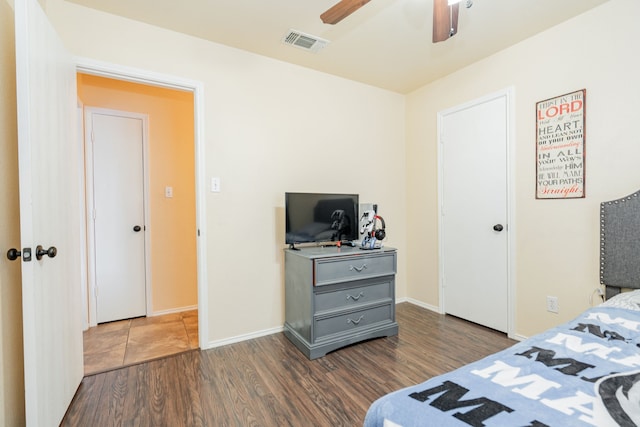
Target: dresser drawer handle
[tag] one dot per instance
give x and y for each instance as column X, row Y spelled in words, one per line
column 358, row 269
column 355, row 322
column 355, row 298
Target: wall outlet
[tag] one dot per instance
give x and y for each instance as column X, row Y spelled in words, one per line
column 552, row 304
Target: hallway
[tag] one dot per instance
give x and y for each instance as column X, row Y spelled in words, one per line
column 126, row 342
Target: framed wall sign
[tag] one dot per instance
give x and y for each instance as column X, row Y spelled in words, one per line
column 560, row 144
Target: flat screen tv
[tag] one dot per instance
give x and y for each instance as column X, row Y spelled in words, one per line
column 321, row 217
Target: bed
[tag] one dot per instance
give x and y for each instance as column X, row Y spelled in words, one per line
column 585, row 372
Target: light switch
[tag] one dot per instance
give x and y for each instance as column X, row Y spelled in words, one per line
column 215, row 184
column 168, row 191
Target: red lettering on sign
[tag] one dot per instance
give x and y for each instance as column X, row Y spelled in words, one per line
column 565, row 108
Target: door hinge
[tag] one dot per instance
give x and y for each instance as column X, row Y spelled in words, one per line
column 198, row 232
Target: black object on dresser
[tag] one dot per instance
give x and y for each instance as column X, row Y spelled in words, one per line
column 338, row 296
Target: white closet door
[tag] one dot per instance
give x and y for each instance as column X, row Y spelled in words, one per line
column 119, row 219
column 474, row 212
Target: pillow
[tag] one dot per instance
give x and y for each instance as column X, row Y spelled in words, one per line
column 628, row 300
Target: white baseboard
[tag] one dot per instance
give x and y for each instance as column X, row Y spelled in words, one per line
column 173, row 310
column 245, row 337
column 265, row 332
column 421, row 304
column 518, row 337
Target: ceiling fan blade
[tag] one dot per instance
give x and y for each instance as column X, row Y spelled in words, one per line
column 445, row 20
column 341, row 10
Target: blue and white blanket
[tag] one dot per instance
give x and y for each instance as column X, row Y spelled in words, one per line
column 583, row 373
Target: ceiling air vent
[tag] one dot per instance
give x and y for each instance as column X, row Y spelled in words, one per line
column 304, row 41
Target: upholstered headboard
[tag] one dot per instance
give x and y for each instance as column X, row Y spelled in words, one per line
column 620, row 244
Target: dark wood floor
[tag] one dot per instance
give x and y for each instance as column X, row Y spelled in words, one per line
column 268, row 382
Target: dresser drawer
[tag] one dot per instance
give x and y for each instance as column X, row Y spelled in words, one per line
column 340, row 269
column 354, row 296
column 350, row 322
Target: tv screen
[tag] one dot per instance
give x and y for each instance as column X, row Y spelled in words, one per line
column 321, row 217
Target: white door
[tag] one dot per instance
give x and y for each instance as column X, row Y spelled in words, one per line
column 116, row 146
column 474, row 211
column 49, row 217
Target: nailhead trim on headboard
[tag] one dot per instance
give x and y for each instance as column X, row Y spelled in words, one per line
column 618, row 218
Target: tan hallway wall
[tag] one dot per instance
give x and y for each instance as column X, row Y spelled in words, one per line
column 171, row 163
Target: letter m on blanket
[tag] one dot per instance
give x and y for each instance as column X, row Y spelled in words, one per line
column 531, row 386
column 449, row 399
column 565, row 365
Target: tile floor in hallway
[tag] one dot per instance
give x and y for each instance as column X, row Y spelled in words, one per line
column 126, row 342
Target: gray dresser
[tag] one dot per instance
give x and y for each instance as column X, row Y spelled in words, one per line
column 338, row 296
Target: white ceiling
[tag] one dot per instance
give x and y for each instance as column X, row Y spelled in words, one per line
column 386, row 43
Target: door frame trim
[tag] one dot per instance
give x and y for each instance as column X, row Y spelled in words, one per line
column 118, row 72
column 509, row 95
column 90, row 204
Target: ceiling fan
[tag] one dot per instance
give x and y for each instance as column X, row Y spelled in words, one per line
column 341, row 10
column 445, row 15
column 445, row 19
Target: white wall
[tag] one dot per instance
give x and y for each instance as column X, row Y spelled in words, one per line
column 270, row 127
column 557, row 240
column 264, row 118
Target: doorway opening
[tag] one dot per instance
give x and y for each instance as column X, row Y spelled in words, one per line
column 174, row 306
